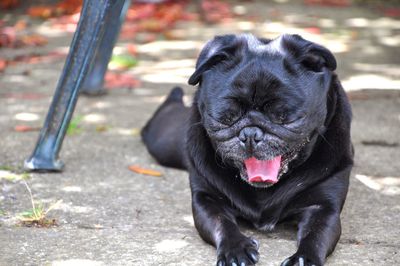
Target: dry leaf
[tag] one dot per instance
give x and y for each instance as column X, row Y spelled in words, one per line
column 40, row 11
column 144, row 171
column 8, row 4
column 102, row 128
column 34, row 40
column 117, row 80
column 25, row 128
column 3, row 64
column 132, row 49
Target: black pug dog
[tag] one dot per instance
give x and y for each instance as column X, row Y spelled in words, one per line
column 267, row 140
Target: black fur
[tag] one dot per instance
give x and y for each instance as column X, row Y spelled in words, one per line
column 286, row 92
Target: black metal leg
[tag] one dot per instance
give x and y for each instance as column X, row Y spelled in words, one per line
column 86, row 40
column 94, row 80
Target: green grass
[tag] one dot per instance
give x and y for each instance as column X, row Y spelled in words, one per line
column 74, row 125
column 37, row 216
column 10, row 176
column 6, row 168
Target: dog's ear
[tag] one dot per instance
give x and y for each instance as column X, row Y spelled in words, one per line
column 218, row 50
column 311, row 55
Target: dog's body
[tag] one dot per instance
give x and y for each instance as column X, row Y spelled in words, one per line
column 266, row 140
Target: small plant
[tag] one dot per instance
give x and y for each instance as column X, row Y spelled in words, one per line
column 10, row 176
column 6, row 168
column 37, row 216
column 73, row 126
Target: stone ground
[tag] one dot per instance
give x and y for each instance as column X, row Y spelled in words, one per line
column 112, row 216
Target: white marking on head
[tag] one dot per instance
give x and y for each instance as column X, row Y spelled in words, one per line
column 275, row 46
column 255, row 45
column 212, row 50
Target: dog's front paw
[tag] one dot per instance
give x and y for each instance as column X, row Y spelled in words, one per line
column 238, row 252
column 299, row 260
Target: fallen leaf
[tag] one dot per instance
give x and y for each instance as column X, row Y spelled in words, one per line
column 122, row 62
column 67, row 23
column 8, row 4
column 152, row 25
column 140, row 11
column 65, row 7
column 129, row 31
column 3, row 64
column 34, row 40
column 8, row 37
column 215, row 11
column 132, row 49
column 145, row 37
column 20, row 25
column 40, row 11
column 313, row 30
column 69, row 6
column 116, row 80
column 25, row 128
column 391, row 11
column 35, row 58
column 339, row 3
column 174, row 35
column 144, row 171
column 102, row 128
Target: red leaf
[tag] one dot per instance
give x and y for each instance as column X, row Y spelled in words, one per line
column 132, row 49
column 339, row 3
column 144, row 171
column 25, row 128
column 8, row 4
column 40, row 11
column 313, row 30
column 391, row 12
column 116, row 80
column 3, row 64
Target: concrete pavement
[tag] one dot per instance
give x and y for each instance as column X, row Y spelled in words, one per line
column 112, row 216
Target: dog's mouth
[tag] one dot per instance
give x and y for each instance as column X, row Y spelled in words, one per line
column 263, row 171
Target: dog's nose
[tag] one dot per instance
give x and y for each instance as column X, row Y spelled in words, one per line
column 250, row 136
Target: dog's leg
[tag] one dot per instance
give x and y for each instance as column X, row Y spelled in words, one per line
column 216, row 224
column 319, row 226
column 318, row 234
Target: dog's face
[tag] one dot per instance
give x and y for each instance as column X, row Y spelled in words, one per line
column 261, row 101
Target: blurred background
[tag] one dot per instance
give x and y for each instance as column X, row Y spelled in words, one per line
column 363, row 34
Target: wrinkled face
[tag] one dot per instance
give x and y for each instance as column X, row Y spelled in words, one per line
column 260, row 108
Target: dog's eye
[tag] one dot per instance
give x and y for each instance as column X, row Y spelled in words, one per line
column 229, row 117
column 279, row 118
column 232, row 111
column 285, row 117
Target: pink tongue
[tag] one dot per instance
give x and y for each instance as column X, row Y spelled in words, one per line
column 263, row 171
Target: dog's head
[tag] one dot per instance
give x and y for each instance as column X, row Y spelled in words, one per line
column 261, row 101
